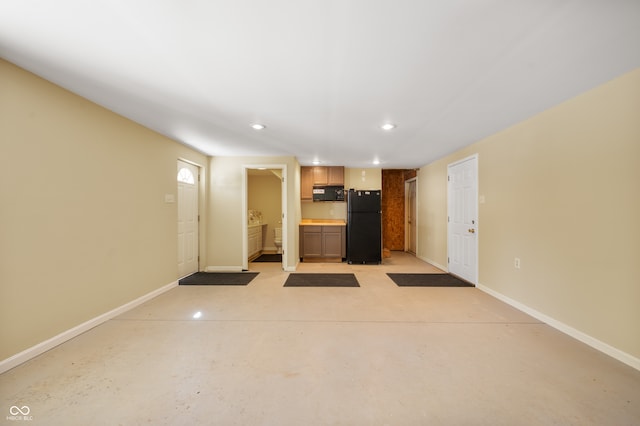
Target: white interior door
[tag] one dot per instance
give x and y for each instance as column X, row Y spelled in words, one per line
column 187, row 219
column 412, row 219
column 463, row 218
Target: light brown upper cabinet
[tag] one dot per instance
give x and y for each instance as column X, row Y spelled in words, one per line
column 319, row 175
column 336, row 175
column 306, row 183
column 333, row 175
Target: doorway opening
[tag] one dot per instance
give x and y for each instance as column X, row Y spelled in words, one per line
column 397, row 233
column 264, row 214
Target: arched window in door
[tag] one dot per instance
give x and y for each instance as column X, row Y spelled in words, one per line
column 185, row 175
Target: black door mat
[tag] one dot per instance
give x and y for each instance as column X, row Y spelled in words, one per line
column 428, row 280
column 321, row 280
column 219, row 278
column 268, row 258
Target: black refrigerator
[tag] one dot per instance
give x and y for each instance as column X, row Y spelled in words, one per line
column 364, row 226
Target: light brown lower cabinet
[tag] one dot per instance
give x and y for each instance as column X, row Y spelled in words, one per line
column 318, row 242
column 254, row 241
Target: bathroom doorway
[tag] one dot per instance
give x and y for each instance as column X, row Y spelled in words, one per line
column 265, row 198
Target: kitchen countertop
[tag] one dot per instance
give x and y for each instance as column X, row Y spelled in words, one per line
column 323, row 222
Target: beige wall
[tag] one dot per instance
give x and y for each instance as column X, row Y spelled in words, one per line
column 83, row 223
column 225, row 230
column 561, row 193
column 368, row 178
column 324, row 210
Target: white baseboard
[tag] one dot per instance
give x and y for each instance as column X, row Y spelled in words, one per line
column 436, row 264
column 223, row 269
column 621, row 356
column 51, row 343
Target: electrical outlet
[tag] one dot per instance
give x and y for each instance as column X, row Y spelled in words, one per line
column 516, row 263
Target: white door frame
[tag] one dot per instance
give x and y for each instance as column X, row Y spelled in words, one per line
column 245, row 204
column 473, row 279
column 407, row 206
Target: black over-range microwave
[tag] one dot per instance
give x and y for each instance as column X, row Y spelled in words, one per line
column 328, row 193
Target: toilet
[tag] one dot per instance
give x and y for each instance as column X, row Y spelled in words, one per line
column 277, row 239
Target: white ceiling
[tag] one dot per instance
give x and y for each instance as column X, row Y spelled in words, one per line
column 323, row 75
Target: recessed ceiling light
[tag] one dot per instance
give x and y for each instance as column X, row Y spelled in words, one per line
column 388, row 126
column 315, row 162
column 258, row 126
column 376, row 161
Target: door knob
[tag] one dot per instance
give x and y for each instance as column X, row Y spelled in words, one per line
column 472, row 231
